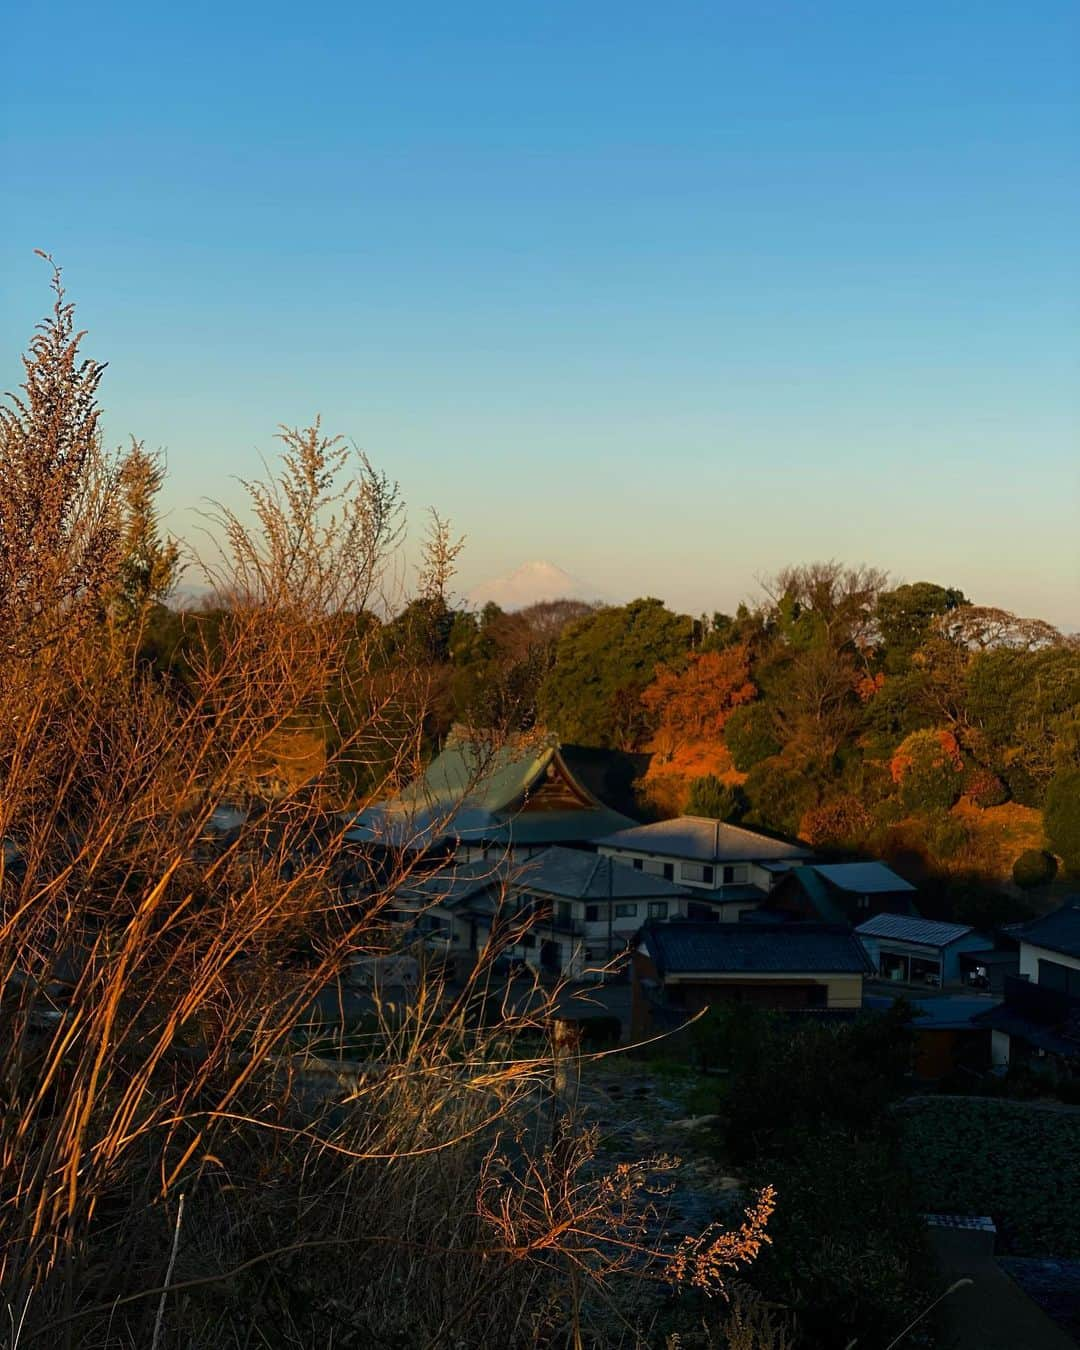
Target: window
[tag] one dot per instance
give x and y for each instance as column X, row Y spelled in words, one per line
column 592, row 913
column 562, row 911
column 638, row 864
column 626, row 911
column 1054, row 975
column 735, row 875
column 669, row 871
column 658, row 909
column 528, row 940
column 697, row 872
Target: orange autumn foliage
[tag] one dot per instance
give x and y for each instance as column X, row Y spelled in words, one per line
column 694, row 702
column 918, row 748
column 866, row 686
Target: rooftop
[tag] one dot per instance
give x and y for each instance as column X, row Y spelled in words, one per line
column 911, row 928
column 703, row 840
column 720, row 948
column 1058, row 931
column 862, row 878
column 576, row 875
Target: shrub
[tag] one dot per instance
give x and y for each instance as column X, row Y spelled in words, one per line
column 844, row 820
column 1022, row 787
column 779, row 793
column 983, row 787
column 1062, row 818
column 1034, row 867
column 947, row 837
column 710, row 797
column 928, row 768
column 748, row 734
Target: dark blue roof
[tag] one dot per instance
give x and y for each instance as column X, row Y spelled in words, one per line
column 722, row 948
column 1058, row 931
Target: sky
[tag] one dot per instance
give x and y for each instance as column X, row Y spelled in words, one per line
column 670, row 295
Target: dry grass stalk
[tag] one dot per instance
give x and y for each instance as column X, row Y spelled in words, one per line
column 159, row 973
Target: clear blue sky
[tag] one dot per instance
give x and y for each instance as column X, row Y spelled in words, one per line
column 670, row 294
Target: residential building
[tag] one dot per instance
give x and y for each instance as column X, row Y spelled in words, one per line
column 841, row 892
column 681, row 968
column 564, row 911
column 737, row 867
column 1039, row 1021
column 912, row 950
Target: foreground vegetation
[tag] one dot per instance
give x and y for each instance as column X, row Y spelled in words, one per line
column 1005, row 1159
column 808, row 1104
column 177, row 1170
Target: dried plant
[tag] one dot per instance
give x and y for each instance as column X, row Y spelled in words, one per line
column 182, row 899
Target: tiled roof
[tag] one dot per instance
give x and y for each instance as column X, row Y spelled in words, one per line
column 576, row 875
column 910, row 928
column 1058, row 931
column 477, row 793
column 457, row 882
column 722, row 948
column 862, row 878
column 703, row 840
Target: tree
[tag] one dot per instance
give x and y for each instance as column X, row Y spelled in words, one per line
column 928, row 768
column 842, row 821
column 1025, row 708
column 711, row 797
column 603, row 663
column 693, row 701
column 748, row 735
column 826, row 598
column 1061, row 818
column 983, row 628
column 1034, row 867
column 905, row 615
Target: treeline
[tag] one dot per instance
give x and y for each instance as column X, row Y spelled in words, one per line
column 845, row 705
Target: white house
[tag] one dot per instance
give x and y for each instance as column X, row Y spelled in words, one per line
column 564, row 911
column 736, row 866
column 1040, row 1018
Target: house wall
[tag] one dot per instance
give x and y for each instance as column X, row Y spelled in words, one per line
column 777, row 991
column 974, row 942
column 947, row 958
column 1030, row 955
column 683, row 870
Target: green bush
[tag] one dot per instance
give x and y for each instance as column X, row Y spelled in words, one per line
column 946, row 837
column 779, row 794
column 748, row 735
column 1034, row 867
column 1023, row 788
column 719, row 801
column 928, row 768
column 1061, row 818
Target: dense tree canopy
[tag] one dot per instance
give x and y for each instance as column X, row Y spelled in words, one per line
column 603, row 663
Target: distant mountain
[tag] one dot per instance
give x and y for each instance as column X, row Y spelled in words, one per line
column 529, row 584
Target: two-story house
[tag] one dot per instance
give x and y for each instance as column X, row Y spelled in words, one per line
column 1039, row 1020
column 735, row 867
column 563, row 911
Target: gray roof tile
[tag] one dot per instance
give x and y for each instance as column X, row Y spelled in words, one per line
column 721, row 948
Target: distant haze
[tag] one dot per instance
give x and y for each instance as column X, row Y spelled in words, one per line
column 528, row 585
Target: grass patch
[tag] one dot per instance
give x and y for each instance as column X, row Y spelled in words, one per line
column 1015, row 1163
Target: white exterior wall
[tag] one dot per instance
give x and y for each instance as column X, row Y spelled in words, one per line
column 746, row 873
column 1031, row 955
column 999, row 1049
